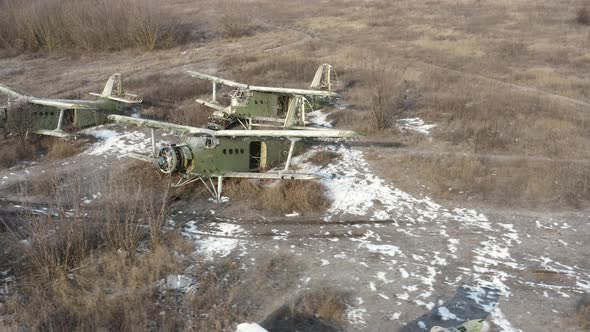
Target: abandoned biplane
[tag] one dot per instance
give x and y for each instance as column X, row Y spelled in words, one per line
column 261, row 106
column 206, row 154
column 55, row 117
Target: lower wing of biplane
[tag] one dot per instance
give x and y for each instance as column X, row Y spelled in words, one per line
column 205, row 154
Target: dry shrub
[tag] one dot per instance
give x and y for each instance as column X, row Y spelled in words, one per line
column 325, row 303
column 583, row 311
column 354, row 119
column 19, row 120
column 13, row 152
column 97, row 268
column 228, row 293
column 190, row 114
column 508, row 181
column 583, row 16
column 285, row 196
column 168, row 90
column 292, row 195
column 323, row 158
column 318, row 309
column 105, row 292
column 236, row 20
column 391, row 97
column 88, row 25
column 61, row 149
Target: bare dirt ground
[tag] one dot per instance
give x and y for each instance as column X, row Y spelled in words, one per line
column 410, row 252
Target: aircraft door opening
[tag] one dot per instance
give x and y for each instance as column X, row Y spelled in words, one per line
column 258, row 158
column 255, row 149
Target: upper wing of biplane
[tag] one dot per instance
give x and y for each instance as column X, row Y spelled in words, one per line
column 320, row 133
column 57, row 103
column 286, row 91
column 65, row 104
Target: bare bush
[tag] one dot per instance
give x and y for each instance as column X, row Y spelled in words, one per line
column 583, row 16
column 83, row 269
column 235, row 21
column 190, row 114
column 325, row 303
column 19, row 120
column 284, row 196
column 13, row 152
column 390, row 98
column 61, row 149
column 87, row 25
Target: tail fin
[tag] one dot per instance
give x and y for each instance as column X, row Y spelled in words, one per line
column 108, row 88
column 324, row 77
column 113, row 90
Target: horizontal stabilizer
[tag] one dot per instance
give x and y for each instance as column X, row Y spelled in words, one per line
column 211, row 105
column 216, row 79
column 127, row 99
column 54, row 133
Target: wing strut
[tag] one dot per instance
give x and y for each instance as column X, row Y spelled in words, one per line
column 291, row 149
column 61, row 118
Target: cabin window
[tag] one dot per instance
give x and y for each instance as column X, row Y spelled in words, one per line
column 242, row 150
column 231, row 151
column 224, row 151
column 51, row 113
column 256, row 102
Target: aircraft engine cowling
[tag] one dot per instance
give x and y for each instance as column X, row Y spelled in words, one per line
column 175, row 158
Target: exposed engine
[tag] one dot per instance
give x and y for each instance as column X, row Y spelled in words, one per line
column 175, row 158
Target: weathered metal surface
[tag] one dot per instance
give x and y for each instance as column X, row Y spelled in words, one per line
column 278, row 133
column 54, row 115
column 161, row 125
column 251, row 104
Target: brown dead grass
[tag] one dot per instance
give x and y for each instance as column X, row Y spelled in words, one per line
column 237, row 19
column 11, row 153
column 504, row 181
column 323, row 158
column 326, row 303
column 60, row 149
column 229, row 294
column 97, row 268
column 88, row 25
column 284, row 196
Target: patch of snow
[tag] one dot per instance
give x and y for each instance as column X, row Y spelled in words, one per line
column 445, row 314
column 384, row 249
column 250, row 327
column 415, row 124
column 217, row 241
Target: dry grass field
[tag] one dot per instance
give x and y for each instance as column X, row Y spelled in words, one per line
column 505, row 82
